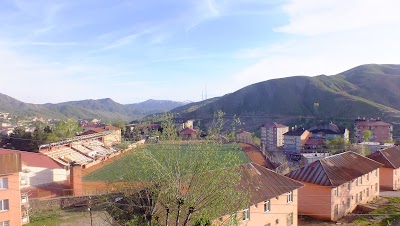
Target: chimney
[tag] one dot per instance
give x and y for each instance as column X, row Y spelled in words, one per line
column 76, row 179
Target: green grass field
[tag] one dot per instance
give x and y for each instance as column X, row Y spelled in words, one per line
column 149, row 161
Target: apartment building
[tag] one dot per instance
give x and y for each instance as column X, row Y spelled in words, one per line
column 380, row 131
column 11, row 203
column 244, row 137
column 273, row 199
column 389, row 173
column 327, row 131
column 271, row 135
column 335, row 185
column 295, row 140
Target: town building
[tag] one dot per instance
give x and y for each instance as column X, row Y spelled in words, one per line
column 380, row 131
column 13, row 206
column 295, row 139
column 389, row 173
column 272, row 136
column 327, row 131
column 244, row 137
column 375, row 146
column 307, row 158
column 336, row 185
column 273, row 198
column 188, row 134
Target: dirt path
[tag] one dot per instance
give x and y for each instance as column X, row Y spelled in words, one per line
column 255, row 155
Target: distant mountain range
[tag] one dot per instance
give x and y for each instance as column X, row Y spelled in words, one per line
column 102, row 108
column 368, row 90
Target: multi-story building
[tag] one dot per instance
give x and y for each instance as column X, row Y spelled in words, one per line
column 272, row 135
column 335, row 185
column 13, row 206
column 389, row 173
column 273, row 199
column 327, row 131
column 244, row 137
column 380, row 131
column 295, row 140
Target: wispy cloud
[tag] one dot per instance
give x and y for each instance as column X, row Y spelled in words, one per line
column 128, row 39
column 313, row 17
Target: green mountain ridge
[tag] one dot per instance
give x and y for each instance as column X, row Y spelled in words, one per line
column 367, row 90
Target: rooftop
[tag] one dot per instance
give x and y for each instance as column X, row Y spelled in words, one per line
column 389, row 157
column 264, row 184
column 275, row 124
column 187, row 131
column 335, row 170
column 297, row 132
column 34, row 159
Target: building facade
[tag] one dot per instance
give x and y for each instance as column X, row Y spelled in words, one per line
column 389, row 173
column 295, row 140
column 244, row 137
column 380, row 131
column 331, row 192
column 11, row 204
column 327, row 131
column 272, row 136
column 273, row 199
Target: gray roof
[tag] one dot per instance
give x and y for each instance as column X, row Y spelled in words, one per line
column 335, row 170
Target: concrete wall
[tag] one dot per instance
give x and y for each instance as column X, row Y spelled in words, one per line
column 13, row 195
column 34, row 176
column 277, row 215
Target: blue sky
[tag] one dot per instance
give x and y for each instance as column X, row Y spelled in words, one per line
column 130, row 51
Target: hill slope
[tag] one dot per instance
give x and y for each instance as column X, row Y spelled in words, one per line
column 102, row 108
column 367, row 90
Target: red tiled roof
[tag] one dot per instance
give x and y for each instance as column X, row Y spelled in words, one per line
column 315, row 141
column 94, row 130
column 111, row 128
column 90, row 126
column 264, row 184
column 34, row 159
column 243, row 132
column 335, row 170
column 187, row 131
column 389, row 157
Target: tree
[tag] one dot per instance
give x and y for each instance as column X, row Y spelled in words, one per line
column 120, row 124
column 367, row 134
column 182, row 185
column 217, row 124
column 338, row 145
column 168, row 127
column 66, row 128
column 235, row 123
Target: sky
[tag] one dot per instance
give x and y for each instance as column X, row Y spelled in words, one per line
column 62, row 50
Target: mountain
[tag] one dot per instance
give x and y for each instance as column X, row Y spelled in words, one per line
column 367, row 90
column 102, row 108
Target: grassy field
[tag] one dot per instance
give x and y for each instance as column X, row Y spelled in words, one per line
column 150, row 160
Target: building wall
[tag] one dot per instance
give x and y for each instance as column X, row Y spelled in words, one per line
column 389, row 178
column 296, row 142
column 113, row 138
column 277, row 215
column 272, row 137
column 34, row 176
column 320, row 201
column 13, row 194
column 379, row 133
column 244, row 138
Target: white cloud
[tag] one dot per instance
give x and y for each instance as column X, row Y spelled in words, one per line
column 328, row 44
column 312, row 17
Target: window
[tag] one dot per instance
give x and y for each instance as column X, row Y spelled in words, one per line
column 368, row 177
column 336, row 209
column 376, row 187
column 361, row 179
column 395, row 172
column 356, row 181
column 376, row 173
column 348, row 202
column 246, row 214
column 267, row 206
column 360, row 195
column 269, row 224
column 3, row 183
column 289, row 218
column 277, row 221
column 5, row 223
column 357, row 198
column 367, row 192
column 348, row 186
column 290, row 196
column 336, row 191
column 4, row 205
